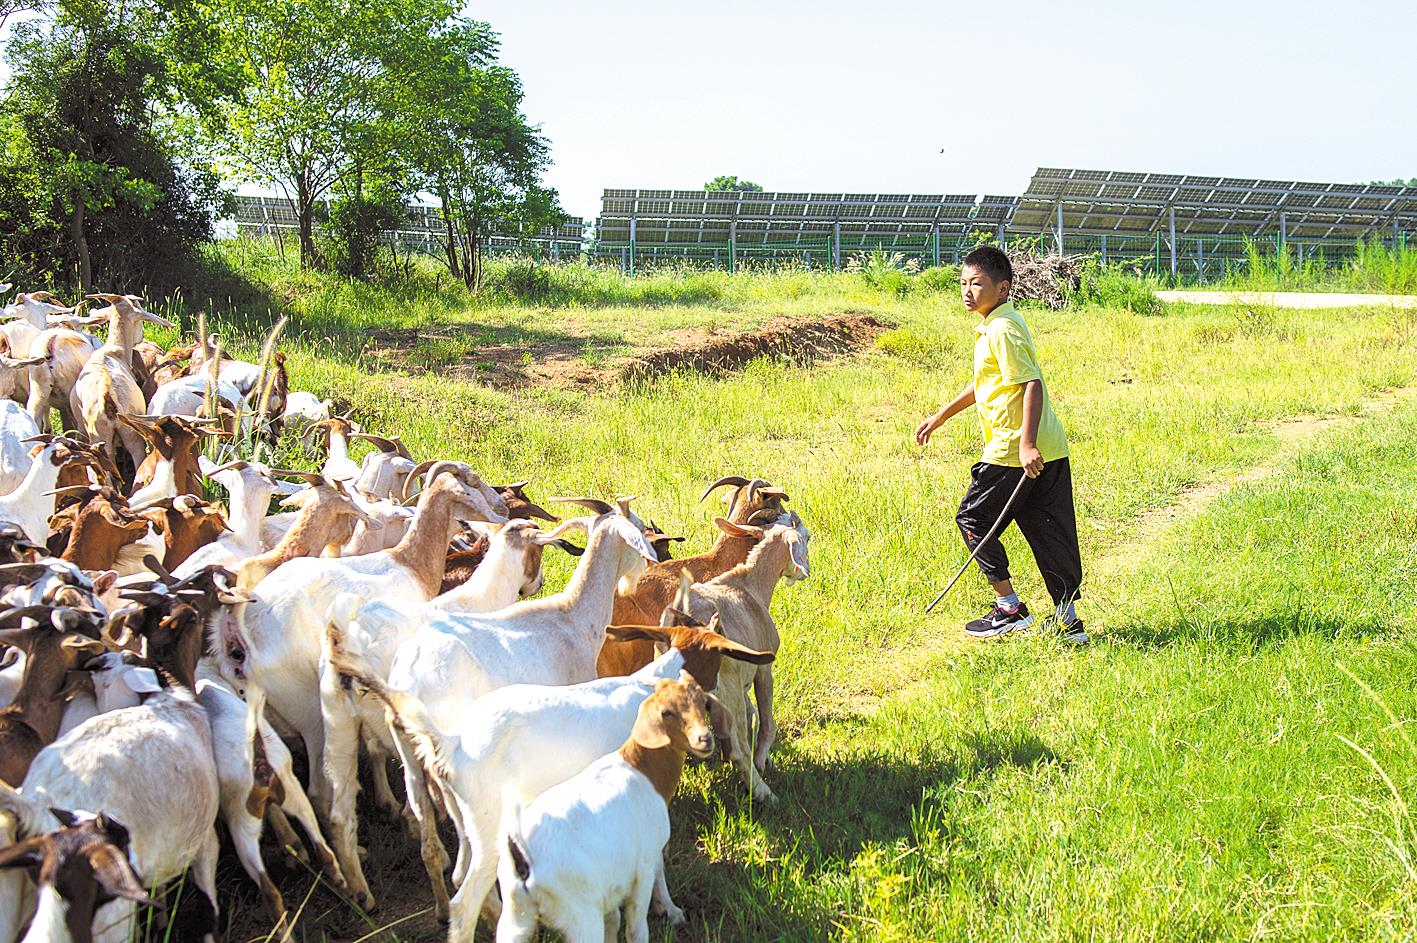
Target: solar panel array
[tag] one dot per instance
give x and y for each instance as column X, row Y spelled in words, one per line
column 1098, row 202
column 756, row 218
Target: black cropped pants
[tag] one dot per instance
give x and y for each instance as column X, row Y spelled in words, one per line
column 1044, row 514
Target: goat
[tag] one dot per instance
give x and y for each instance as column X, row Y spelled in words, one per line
column 302, row 410
column 173, row 466
column 257, row 778
column 31, row 505
column 187, row 396
column 338, row 465
column 250, row 486
column 742, row 597
column 543, row 641
column 31, row 721
column 383, row 472
column 512, row 567
column 16, row 426
column 77, row 868
column 103, row 533
column 527, row 738
column 657, row 586
column 326, row 519
column 586, row 848
column 187, row 524
column 106, row 387
column 276, row 643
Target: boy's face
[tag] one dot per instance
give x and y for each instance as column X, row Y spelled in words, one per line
column 981, row 293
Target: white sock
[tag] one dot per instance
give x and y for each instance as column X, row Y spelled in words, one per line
column 1008, row 603
column 1067, row 615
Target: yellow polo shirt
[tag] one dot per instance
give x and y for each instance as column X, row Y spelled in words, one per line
column 1004, row 360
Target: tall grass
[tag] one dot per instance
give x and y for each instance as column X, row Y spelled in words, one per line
column 1374, row 265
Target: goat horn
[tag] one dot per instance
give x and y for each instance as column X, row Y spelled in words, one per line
column 763, row 517
column 514, row 486
column 403, row 449
column 73, row 489
column 735, row 480
column 305, row 476
column 593, row 504
column 239, row 464
column 623, row 503
column 415, row 475
column 151, row 562
column 383, row 444
column 23, row 612
column 753, row 487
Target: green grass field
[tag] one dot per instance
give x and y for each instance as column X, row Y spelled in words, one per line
column 1230, row 757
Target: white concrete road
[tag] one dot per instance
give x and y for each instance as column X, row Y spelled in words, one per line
column 1290, row 299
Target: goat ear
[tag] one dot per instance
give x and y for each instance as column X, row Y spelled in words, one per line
column 113, row 873
column 632, row 633
column 103, row 581
column 76, row 683
column 66, row 818
column 737, row 530
column 731, row 649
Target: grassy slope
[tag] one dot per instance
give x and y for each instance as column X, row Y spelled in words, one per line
column 1181, row 778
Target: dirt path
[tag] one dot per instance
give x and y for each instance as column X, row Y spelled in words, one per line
column 1290, row 435
column 1290, row 299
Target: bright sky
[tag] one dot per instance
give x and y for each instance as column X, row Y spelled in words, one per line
column 931, row 96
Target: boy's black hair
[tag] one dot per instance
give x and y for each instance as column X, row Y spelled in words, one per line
column 992, row 261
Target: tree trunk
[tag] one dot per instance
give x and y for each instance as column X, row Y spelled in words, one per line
column 452, row 246
column 305, row 217
column 81, row 246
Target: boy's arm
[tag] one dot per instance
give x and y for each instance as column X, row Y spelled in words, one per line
column 1028, row 454
column 961, row 402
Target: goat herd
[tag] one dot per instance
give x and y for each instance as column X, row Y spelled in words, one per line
column 160, row 652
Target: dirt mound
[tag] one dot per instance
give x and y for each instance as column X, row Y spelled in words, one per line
column 799, row 340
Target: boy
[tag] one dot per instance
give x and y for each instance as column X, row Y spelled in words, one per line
column 1022, row 438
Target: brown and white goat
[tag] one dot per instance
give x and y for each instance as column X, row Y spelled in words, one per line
column 52, row 652
column 77, row 868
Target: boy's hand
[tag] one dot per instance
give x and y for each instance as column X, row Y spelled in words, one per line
column 923, row 431
column 1032, row 460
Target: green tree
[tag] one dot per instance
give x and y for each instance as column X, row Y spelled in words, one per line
column 88, row 100
column 306, row 93
column 476, row 150
column 732, row 183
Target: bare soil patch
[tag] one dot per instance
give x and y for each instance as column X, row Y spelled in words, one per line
column 800, row 340
column 520, row 357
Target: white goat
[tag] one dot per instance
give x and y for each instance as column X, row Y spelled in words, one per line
column 16, row 426
column 511, row 567
column 543, row 641
column 31, row 505
column 257, row 778
column 187, row 396
column 250, row 487
column 303, row 410
column 588, row 847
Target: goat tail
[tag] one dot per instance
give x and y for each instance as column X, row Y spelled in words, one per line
column 514, row 836
column 405, row 713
